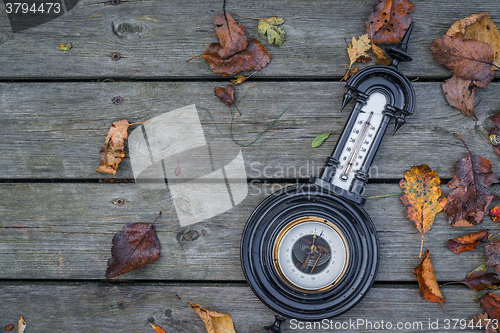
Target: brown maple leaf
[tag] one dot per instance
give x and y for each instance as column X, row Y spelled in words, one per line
column 491, row 304
column 482, row 320
column 422, row 197
column 427, row 281
column 388, row 21
column 253, row 57
column 468, row 59
column 469, row 199
column 226, row 95
column 135, row 246
column 460, row 94
column 478, row 279
column 495, row 133
column 492, row 250
column 231, row 36
column 467, row 242
column 215, row 322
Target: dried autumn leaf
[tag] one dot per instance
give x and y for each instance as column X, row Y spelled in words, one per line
column 492, row 250
column 467, row 242
column 270, row 27
column 253, row 57
column 422, row 197
column 379, row 53
column 427, row 280
column 460, row 94
column 231, row 36
column 9, row 327
column 157, row 328
column 468, row 59
column 478, row 279
column 495, row 213
column 482, row 320
column 491, row 304
column 215, row 322
column 239, row 79
column 135, row 246
column 469, row 199
column 479, row 27
column 388, row 21
column 226, row 95
column 495, row 133
column 357, row 49
column 65, row 46
column 318, row 141
column 21, row 325
column 349, row 72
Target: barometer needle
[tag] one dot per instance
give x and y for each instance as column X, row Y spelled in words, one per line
column 312, row 269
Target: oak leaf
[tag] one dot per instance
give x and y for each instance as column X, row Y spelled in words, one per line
column 135, row 246
column 357, row 49
column 388, row 21
column 427, row 280
column 270, row 27
column 254, row 57
column 379, row 53
column 468, row 59
column 226, row 95
column 495, row 133
column 467, row 242
column 469, row 199
column 479, row 27
column 422, row 197
column 215, row 322
column 460, row 94
column 491, row 304
column 157, row 329
column 231, row 36
column 492, row 250
column 478, row 279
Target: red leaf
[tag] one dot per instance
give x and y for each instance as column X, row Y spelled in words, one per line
column 478, row 279
column 134, row 247
column 388, row 21
column 467, row 242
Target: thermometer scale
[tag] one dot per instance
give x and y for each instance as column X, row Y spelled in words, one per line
column 311, row 251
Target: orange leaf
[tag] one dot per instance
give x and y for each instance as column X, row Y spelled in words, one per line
column 389, row 20
column 157, row 328
column 349, row 73
column 467, row 242
column 215, row 322
column 495, row 213
column 422, row 197
column 427, row 281
column 21, row 325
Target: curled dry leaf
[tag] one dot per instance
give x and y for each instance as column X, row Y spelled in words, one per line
column 157, row 329
column 270, row 27
column 467, row 242
column 357, row 49
column 231, row 36
column 469, row 198
column 460, row 94
column 492, row 250
column 422, row 197
column 468, row 59
column 226, row 95
column 495, row 214
column 389, row 20
column 482, row 320
column 379, row 53
column 240, row 78
column 9, row 327
column 427, row 280
column 491, row 304
column 478, row 279
column 495, row 133
column 349, row 72
column 253, row 57
column 215, row 322
column 135, row 246
column 479, row 27
column 21, row 325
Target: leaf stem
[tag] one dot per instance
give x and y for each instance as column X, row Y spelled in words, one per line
column 251, row 18
column 462, row 141
column 137, row 123
column 159, row 214
column 490, row 237
column 421, row 246
column 384, row 195
column 193, row 58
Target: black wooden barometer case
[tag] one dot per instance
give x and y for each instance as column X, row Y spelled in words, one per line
column 311, row 251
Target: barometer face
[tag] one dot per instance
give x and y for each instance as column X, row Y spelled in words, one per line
column 311, row 254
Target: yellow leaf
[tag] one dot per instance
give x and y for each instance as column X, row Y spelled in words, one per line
column 357, row 49
column 65, row 46
column 21, row 325
column 479, row 27
column 157, row 328
column 215, row 322
column 239, row 79
column 270, row 27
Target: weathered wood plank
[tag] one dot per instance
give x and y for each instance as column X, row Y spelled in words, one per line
column 130, row 308
column 64, row 231
column 55, row 130
column 155, row 38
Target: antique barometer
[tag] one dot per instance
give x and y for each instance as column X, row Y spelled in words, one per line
column 311, row 251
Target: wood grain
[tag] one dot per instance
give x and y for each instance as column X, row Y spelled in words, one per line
column 64, row 231
column 55, row 130
column 130, row 308
column 155, row 38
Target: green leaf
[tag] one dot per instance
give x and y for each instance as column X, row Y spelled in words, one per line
column 270, row 27
column 318, row 141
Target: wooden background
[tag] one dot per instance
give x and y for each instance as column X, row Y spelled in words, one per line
column 57, row 215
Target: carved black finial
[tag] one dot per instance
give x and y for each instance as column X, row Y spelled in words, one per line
column 346, row 100
column 400, row 121
column 275, row 328
column 398, row 52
